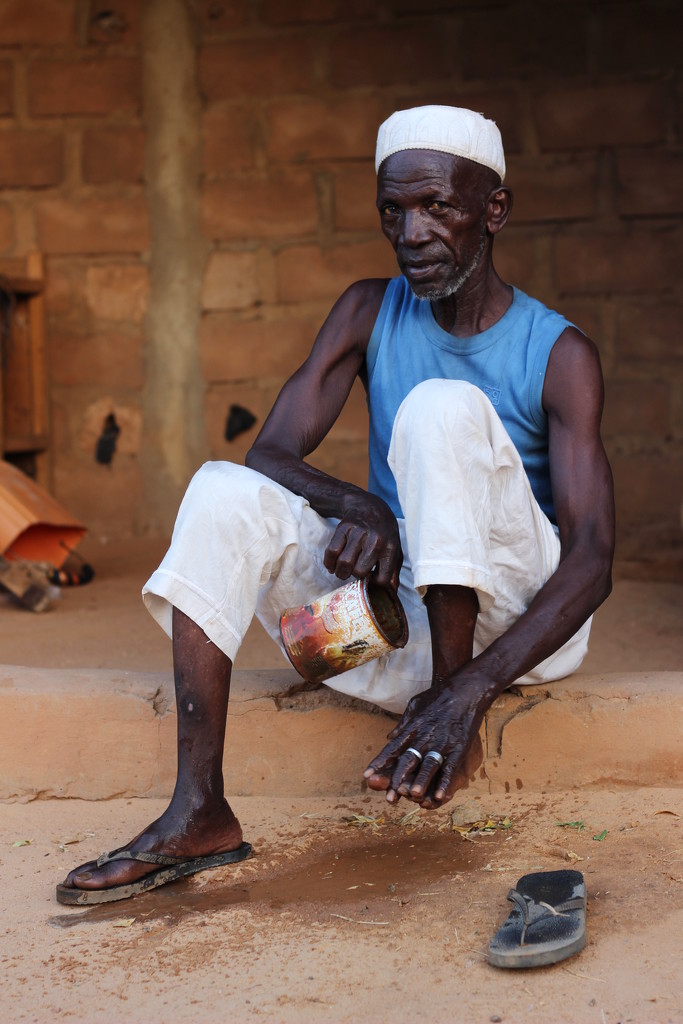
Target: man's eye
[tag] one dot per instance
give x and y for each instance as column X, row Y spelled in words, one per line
column 437, row 205
column 389, row 210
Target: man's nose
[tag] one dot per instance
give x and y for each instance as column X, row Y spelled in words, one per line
column 414, row 228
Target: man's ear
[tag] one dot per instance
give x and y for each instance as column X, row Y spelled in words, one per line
column 498, row 207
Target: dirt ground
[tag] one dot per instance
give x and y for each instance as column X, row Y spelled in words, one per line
column 380, row 920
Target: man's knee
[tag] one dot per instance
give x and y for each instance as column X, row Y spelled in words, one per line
column 435, row 405
column 224, row 491
column 228, row 480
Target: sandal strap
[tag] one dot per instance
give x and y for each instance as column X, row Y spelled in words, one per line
column 533, row 912
column 146, row 858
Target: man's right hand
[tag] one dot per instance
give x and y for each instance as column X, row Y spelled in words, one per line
column 366, row 539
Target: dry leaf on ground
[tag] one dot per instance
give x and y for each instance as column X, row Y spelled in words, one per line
column 484, row 825
column 364, row 821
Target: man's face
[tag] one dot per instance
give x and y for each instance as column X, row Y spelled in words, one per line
column 433, row 211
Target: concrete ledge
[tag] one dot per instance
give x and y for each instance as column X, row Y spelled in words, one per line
column 100, row 734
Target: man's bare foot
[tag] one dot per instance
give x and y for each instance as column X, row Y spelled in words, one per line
column 195, row 834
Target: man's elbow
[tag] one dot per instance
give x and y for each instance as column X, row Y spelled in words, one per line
column 603, row 560
column 251, row 458
column 257, row 456
column 606, row 585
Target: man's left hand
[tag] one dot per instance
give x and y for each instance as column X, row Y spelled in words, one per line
column 444, row 720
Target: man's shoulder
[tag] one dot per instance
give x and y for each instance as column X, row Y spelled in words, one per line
column 357, row 309
column 574, row 371
column 368, row 290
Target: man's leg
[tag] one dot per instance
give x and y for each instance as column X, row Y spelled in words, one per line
column 198, row 820
column 237, row 534
column 452, row 613
column 471, row 518
column 478, row 544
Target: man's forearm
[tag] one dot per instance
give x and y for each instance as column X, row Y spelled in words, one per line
column 366, row 538
column 326, row 494
column 577, row 588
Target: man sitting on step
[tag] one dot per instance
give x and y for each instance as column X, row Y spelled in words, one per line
column 489, row 506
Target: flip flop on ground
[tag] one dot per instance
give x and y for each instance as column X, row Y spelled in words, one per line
column 170, row 868
column 547, row 923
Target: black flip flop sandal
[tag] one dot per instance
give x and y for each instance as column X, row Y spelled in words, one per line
column 547, row 923
column 169, row 870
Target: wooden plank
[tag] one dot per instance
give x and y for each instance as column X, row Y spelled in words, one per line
column 27, row 443
column 24, row 394
column 18, row 375
column 22, row 285
column 41, row 400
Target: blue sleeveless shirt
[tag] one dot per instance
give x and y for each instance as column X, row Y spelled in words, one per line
column 507, row 362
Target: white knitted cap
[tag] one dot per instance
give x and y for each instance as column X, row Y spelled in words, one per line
column 454, row 130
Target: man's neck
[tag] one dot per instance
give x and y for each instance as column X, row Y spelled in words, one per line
column 479, row 305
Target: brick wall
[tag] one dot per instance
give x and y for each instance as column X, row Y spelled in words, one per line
column 589, row 99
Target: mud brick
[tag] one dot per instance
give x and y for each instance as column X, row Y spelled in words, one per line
column 233, row 350
column 638, row 407
column 650, row 184
column 552, row 189
column 263, row 67
column 344, row 460
column 231, row 281
column 623, row 114
column 117, row 291
column 231, row 140
column 352, row 423
column 87, row 359
column 6, row 89
column 128, row 417
column 308, row 272
column 217, row 402
column 7, row 235
column 218, row 18
column 64, row 289
column 395, row 56
column 107, row 498
column 317, row 129
column 30, row 159
column 636, row 37
column 94, row 86
column 279, row 206
column 537, row 39
column 586, row 316
column 37, row 22
column 300, row 12
column 92, row 225
column 113, row 154
column 643, row 490
column 117, row 22
column 355, row 194
column 514, row 257
column 650, row 331
column 639, row 261
column 429, row 6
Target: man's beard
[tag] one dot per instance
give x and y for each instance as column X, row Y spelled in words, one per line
column 431, row 293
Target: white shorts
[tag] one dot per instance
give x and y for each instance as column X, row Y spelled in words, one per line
column 244, row 545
